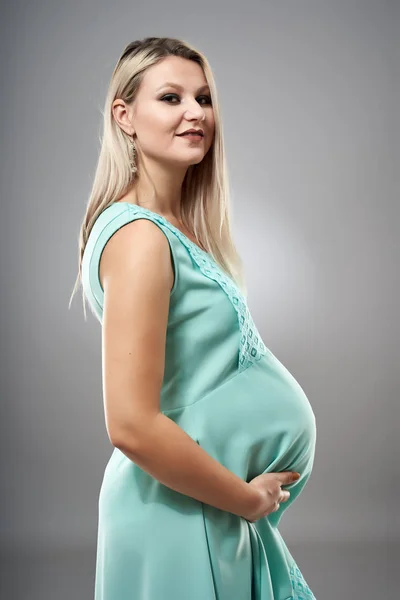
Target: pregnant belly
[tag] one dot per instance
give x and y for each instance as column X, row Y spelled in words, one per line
column 258, row 421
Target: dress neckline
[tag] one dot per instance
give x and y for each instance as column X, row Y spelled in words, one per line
column 168, row 224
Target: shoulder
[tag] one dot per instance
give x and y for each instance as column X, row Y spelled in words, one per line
column 139, row 246
column 124, row 239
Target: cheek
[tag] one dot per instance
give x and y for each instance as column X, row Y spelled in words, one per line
column 156, row 132
column 211, row 127
column 211, row 137
column 154, row 121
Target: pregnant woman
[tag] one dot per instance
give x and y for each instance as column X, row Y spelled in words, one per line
column 213, row 437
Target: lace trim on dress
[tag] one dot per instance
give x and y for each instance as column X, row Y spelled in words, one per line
column 301, row 591
column 252, row 347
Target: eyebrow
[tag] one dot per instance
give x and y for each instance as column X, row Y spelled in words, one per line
column 179, row 87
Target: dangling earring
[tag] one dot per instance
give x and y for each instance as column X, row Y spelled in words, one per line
column 133, row 157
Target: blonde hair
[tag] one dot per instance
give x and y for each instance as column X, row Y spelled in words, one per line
column 205, row 195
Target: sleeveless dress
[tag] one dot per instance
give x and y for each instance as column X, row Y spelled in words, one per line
column 235, row 399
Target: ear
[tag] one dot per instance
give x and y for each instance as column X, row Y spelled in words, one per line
column 122, row 116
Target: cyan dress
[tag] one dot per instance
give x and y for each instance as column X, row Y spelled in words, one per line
column 228, row 392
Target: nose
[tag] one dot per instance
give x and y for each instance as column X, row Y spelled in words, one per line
column 196, row 110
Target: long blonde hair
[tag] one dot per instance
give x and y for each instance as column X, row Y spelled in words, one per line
column 205, row 201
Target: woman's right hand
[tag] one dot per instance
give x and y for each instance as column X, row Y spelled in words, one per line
column 268, row 486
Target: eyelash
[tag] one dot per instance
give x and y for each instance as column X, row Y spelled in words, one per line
column 176, row 96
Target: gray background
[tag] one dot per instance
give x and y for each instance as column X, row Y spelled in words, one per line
column 308, row 93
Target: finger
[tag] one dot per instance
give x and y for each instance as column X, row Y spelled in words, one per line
column 288, row 477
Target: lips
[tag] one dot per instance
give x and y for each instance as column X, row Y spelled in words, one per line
column 192, row 132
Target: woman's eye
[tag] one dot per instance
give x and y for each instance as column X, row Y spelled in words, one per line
column 207, row 99
column 169, row 96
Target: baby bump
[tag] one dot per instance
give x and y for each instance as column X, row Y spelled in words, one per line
column 259, row 420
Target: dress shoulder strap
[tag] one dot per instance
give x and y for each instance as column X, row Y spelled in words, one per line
column 107, row 223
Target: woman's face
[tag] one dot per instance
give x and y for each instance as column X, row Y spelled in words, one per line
column 161, row 111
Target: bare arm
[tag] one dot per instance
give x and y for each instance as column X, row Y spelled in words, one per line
column 137, row 276
column 170, row 455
